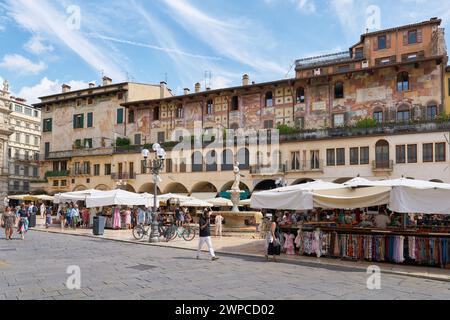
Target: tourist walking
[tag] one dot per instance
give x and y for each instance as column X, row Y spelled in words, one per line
column 23, row 222
column 205, row 234
column 48, row 217
column 75, row 216
column 8, row 222
column 218, row 225
column 42, row 210
column 274, row 247
column 128, row 218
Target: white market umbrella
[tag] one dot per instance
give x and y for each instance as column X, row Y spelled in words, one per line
column 75, row 196
column 167, row 196
column 297, row 197
column 220, row 202
column 195, row 203
column 117, row 197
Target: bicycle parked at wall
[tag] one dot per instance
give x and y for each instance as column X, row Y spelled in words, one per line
column 141, row 230
column 185, row 232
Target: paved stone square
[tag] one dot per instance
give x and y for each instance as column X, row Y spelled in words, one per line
column 36, row 269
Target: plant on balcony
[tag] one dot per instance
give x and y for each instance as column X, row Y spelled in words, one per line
column 366, row 123
column 443, row 117
column 63, row 173
column 123, row 142
column 285, row 129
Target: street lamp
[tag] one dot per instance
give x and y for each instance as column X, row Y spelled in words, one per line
column 155, row 166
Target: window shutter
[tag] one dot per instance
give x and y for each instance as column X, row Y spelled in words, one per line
column 419, row 36
column 82, row 121
column 74, row 121
column 405, row 38
column 90, row 120
column 375, row 44
column 388, row 41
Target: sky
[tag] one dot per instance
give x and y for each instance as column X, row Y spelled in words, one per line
column 46, row 43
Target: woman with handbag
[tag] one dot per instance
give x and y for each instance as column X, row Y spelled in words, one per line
column 8, row 222
column 274, row 248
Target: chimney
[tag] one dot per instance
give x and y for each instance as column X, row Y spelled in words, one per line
column 65, row 88
column 91, row 85
column 162, row 87
column 245, row 80
column 107, row 81
column 253, row 82
column 198, row 87
column 186, row 91
column 208, row 88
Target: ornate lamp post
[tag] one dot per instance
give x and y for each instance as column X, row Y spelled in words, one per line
column 155, row 166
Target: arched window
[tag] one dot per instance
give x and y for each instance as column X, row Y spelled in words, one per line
column 180, row 112
column 269, row 99
column 156, row 113
column 209, row 107
column 227, row 160
column 243, row 157
column 402, row 81
column 234, row 103
column 300, row 95
column 378, row 115
column 382, row 154
column 403, row 114
column 197, row 162
column 339, row 90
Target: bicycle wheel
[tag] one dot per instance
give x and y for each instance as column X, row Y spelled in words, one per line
column 138, row 232
column 188, row 234
column 170, row 233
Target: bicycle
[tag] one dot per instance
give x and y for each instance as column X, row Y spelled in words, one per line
column 185, row 232
column 141, row 230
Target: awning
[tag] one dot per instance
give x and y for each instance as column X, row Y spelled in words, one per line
column 195, row 203
column 29, row 197
column 220, row 202
column 351, row 198
column 204, row 195
column 118, row 197
column 75, row 196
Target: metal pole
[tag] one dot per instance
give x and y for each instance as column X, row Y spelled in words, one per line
column 154, row 235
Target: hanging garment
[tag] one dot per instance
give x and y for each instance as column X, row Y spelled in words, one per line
column 117, row 222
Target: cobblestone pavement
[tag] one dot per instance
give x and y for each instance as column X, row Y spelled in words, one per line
column 36, row 269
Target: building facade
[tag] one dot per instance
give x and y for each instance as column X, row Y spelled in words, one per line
column 374, row 111
column 5, row 131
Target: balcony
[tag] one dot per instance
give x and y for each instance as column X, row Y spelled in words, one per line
column 123, row 176
column 264, row 170
column 318, row 61
column 54, row 174
column 306, row 166
column 413, row 56
column 383, row 166
column 385, row 60
column 80, row 171
column 82, row 152
column 24, row 158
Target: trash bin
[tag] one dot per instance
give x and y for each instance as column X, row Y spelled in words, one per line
column 32, row 221
column 99, row 226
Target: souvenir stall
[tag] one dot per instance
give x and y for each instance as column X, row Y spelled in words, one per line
column 336, row 222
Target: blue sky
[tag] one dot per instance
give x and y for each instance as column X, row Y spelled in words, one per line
column 49, row 42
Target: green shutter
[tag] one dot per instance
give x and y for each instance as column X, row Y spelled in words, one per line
column 74, row 121
column 119, row 116
column 82, row 121
column 90, row 120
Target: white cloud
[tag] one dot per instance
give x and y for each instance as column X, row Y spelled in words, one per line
column 21, row 65
column 348, row 13
column 307, row 6
column 35, row 45
column 44, row 18
column 47, row 87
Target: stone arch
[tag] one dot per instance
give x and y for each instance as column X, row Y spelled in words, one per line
column 148, row 187
column 130, row 188
column 227, row 186
column 265, row 185
column 302, row 181
column 80, row 187
column 176, row 187
column 102, row 187
column 204, row 186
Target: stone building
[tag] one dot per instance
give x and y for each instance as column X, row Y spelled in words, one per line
column 5, row 131
column 374, row 111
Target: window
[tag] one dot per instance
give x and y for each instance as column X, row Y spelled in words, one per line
column 402, row 81
column 209, row 107
column 382, row 154
column 300, row 95
column 17, row 170
column 354, row 156
column 295, row 160
column 378, row 116
column 47, row 125
column 340, row 157
column 78, row 144
column 156, row 113
column 63, row 183
column 36, row 141
column 180, row 112
column 431, row 112
column 338, row 120
column 55, row 183
column 400, row 154
column 331, row 157
column 18, row 108
column 234, row 103
column 269, row 99
column 339, row 90
column 120, row 96
column 300, row 122
column 268, row 124
column 36, row 114
column 26, row 171
column 90, row 101
column 27, row 139
column 107, row 169
column 359, row 53
column 168, row 165
column 77, row 168
column 382, row 42
column 78, row 121
column 47, row 149
column 35, row 172
column 17, row 137
column 88, row 143
column 90, row 120
column 86, row 167
column 412, row 36
column 137, row 139
column 427, row 152
column 63, row 165
column 412, row 153
column 27, row 125
column 161, row 137
column 315, row 161
column 403, row 116
column 440, row 152
column 364, row 155
column 119, row 116
column 130, row 116
column 131, row 169
column 26, row 185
